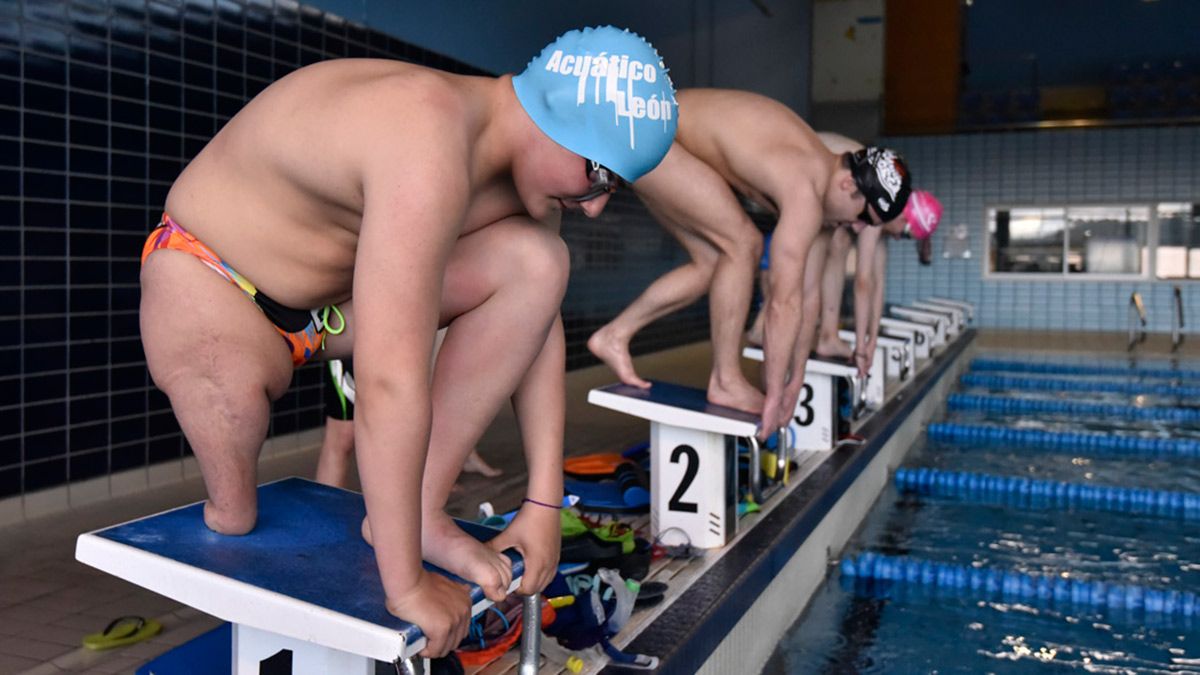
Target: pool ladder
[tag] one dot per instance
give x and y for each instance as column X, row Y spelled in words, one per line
column 1137, row 320
column 1177, row 322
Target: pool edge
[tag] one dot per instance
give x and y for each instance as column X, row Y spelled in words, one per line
column 732, row 618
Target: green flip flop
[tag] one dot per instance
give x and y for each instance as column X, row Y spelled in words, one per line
column 125, row 630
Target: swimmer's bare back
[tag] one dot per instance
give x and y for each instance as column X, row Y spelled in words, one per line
column 279, row 191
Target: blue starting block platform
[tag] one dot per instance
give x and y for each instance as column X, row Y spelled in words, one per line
column 693, row 460
column 303, row 580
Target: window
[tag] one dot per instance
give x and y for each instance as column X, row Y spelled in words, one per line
column 1100, row 241
column 1178, row 253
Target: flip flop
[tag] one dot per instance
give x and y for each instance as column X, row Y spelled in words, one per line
column 124, row 630
column 650, row 593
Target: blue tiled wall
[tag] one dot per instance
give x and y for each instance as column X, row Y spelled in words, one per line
column 968, row 172
column 102, row 102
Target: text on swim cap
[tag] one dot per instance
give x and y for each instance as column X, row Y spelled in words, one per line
column 889, row 176
column 616, row 70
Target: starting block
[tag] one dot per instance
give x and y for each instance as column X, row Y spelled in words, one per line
column 921, row 335
column 693, row 460
column 958, row 316
column 952, row 316
column 939, row 322
column 814, row 423
column 302, row 581
column 873, row 388
column 899, row 354
column 967, row 307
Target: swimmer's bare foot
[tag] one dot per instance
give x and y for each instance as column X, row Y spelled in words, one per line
column 735, row 393
column 476, row 464
column 445, row 544
column 835, row 348
column 613, row 350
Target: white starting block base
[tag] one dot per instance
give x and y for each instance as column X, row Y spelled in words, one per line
column 967, row 307
column 303, row 580
column 814, row 424
column 898, row 352
column 920, row 334
column 958, row 316
column 693, row 459
column 939, row 322
column 874, row 388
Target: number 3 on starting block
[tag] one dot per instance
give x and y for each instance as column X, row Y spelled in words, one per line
column 814, row 420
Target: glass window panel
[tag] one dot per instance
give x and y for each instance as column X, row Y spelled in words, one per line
column 1106, row 239
column 1027, row 240
column 1178, row 254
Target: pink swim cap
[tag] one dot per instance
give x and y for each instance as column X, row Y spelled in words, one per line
column 923, row 212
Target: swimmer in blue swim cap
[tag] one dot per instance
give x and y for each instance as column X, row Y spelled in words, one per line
column 433, row 200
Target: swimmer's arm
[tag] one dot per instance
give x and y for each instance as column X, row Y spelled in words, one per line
column 881, row 256
column 799, row 222
column 540, row 405
column 865, row 281
column 410, row 224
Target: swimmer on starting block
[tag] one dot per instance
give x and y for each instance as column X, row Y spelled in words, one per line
column 919, row 220
column 736, row 141
column 825, row 272
column 363, row 203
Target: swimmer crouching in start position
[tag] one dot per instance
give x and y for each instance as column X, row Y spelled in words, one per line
column 396, row 199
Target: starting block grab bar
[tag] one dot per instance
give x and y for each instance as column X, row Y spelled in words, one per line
column 303, row 580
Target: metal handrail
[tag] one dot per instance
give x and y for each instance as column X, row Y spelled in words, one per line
column 1137, row 320
column 1177, row 324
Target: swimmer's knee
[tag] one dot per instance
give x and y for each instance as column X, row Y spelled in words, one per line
column 544, row 259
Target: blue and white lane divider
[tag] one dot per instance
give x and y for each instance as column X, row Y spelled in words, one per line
column 1041, row 384
column 993, row 584
column 1081, row 369
column 1036, row 493
column 979, row 434
column 1029, row 406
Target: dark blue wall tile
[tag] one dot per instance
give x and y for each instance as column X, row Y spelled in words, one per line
column 87, row 465
column 10, row 482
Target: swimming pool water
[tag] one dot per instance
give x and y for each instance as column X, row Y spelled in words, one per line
column 876, row 627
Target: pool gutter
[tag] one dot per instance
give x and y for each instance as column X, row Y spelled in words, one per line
column 733, row 616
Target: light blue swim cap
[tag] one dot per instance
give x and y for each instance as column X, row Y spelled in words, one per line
column 604, row 94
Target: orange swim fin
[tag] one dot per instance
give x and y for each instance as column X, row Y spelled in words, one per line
column 594, row 466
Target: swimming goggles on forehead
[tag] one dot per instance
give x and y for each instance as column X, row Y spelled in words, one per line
column 604, row 181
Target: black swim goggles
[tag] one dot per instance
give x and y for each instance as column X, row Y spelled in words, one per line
column 604, row 181
column 866, row 214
